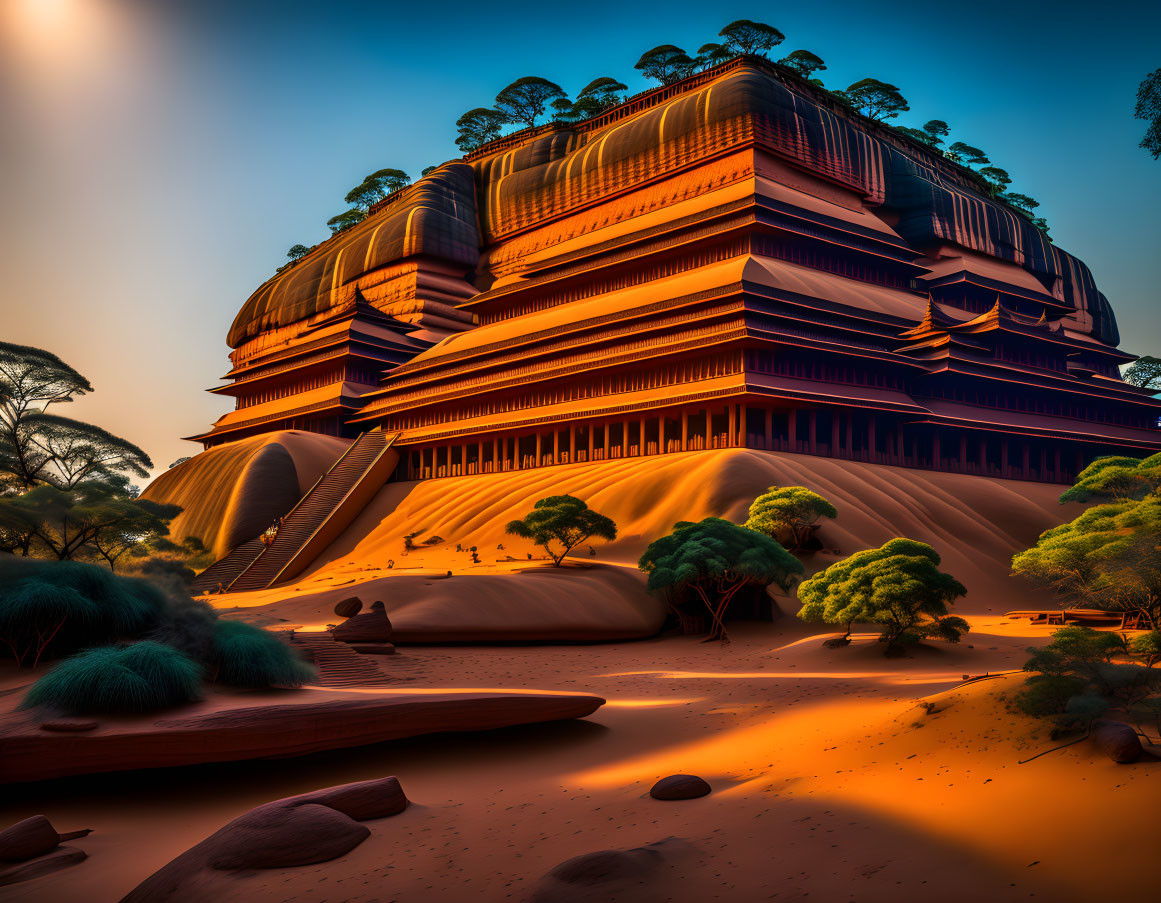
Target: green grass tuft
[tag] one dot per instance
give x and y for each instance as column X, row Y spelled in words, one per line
column 248, row 656
column 143, row 677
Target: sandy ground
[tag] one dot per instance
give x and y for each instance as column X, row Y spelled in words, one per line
column 830, row 783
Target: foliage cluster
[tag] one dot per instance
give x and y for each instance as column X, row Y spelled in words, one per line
column 789, row 514
column 560, row 523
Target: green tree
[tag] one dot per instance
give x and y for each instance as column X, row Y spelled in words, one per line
column 606, row 91
column 749, row 37
column 559, row 523
column 564, row 110
column 96, row 518
column 377, row 186
column 523, row 101
column 666, row 64
column 1144, row 372
column 477, row 127
column 1109, row 557
column 297, row 252
column 714, row 559
column 898, row 586
column 1021, row 201
column 427, row 171
column 1114, row 478
column 936, row 130
column 966, row 154
column 915, row 134
column 789, row 514
column 345, row 220
column 39, row 447
column 875, row 99
column 803, row 62
column 998, row 180
column 1149, row 108
column 712, row 54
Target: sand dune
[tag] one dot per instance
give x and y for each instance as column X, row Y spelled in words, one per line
column 231, row 493
column 975, row 523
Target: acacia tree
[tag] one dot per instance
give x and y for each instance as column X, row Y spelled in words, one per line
column 936, row 130
column 559, row 523
column 605, row 91
column 524, row 100
column 1144, row 372
column 965, row 153
column 666, row 63
column 345, row 220
column 875, row 99
column 803, row 62
column 377, row 186
column 789, row 514
column 1020, row 201
column 998, row 179
column 748, row 37
column 898, row 586
column 38, row 447
column 297, row 252
column 715, row 559
column 1149, row 108
column 713, row 54
column 477, row 127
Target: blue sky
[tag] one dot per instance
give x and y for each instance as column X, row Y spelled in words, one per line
column 165, row 155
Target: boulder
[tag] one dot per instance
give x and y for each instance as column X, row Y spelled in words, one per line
column 373, row 648
column 679, row 787
column 369, row 627
column 299, row 830
column 1117, row 741
column 349, row 607
column 59, row 858
column 32, row 837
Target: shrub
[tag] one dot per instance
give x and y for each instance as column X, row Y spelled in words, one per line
column 34, row 615
column 248, row 656
column 143, row 677
column 1047, row 694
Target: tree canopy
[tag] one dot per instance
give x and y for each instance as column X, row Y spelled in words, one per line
column 714, row 559
column 965, row 153
column 803, row 62
column 789, row 514
column 666, row 64
column 477, row 127
column 524, row 101
column 1115, row 477
column 875, row 99
column 1144, row 372
column 559, row 523
column 714, row 54
column 377, row 186
column 750, row 37
column 346, row 219
column 297, row 252
column 1148, row 107
column 898, row 586
column 1109, row 556
column 38, row 447
column 936, row 130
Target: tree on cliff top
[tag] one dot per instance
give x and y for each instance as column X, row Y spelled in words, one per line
column 936, row 130
column 559, row 523
column 966, row 154
column 666, row 63
column 477, row 127
column 345, row 220
column 523, row 101
column 296, row 253
column 751, row 37
column 713, row 54
column 803, row 62
column 898, row 586
column 875, row 99
column 377, row 186
column 37, row 447
column 714, row 559
column 1149, row 108
column 1144, row 372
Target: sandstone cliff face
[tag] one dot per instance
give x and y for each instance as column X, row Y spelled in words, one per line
column 232, row 493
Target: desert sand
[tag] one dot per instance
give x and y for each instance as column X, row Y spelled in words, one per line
column 836, row 774
column 830, row 782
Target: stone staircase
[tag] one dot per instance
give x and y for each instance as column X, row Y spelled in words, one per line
column 338, row 664
column 254, row 566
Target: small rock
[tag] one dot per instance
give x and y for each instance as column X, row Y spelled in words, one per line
column 349, row 607
column 679, row 787
column 369, row 627
column 374, row 648
column 278, row 837
column 34, row 836
column 68, row 725
column 1117, row 741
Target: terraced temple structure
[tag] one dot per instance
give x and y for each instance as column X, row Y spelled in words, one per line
column 731, row 260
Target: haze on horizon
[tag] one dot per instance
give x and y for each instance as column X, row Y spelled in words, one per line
column 157, row 160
